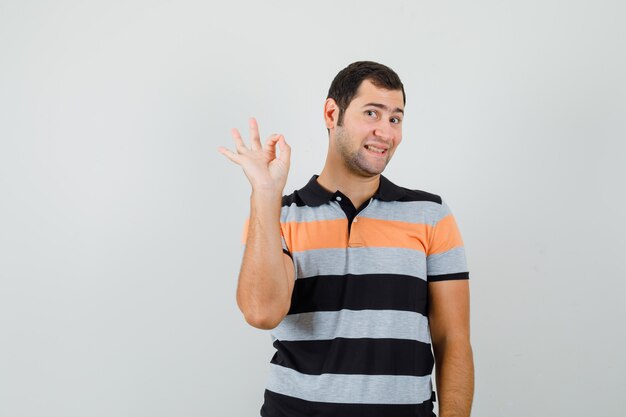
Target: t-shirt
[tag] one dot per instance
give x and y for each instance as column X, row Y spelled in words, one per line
column 356, row 339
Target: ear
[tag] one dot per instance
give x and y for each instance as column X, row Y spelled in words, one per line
column 331, row 113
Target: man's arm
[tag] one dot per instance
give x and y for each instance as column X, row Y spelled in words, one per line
column 450, row 331
column 266, row 278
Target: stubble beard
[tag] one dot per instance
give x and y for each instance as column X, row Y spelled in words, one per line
column 355, row 161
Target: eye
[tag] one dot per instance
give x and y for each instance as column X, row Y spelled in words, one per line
column 395, row 120
column 371, row 113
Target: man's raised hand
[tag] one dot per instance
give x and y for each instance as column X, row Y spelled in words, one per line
column 264, row 168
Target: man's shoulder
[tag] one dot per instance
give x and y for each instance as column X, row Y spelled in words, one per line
column 293, row 198
column 417, row 206
column 310, row 194
column 420, row 195
column 412, row 194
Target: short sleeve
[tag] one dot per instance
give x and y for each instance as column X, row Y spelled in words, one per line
column 244, row 237
column 445, row 258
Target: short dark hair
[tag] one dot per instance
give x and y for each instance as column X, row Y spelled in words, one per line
column 348, row 80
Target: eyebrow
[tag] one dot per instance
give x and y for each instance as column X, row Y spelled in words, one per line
column 383, row 107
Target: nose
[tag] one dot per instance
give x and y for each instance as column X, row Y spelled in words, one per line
column 384, row 131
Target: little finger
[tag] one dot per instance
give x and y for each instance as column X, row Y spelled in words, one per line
column 229, row 154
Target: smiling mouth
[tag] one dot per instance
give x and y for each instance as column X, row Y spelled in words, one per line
column 374, row 149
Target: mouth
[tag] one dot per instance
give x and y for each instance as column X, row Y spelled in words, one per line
column 376, row 150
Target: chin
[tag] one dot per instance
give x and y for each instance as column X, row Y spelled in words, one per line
column 363, row 168
column 371, row 172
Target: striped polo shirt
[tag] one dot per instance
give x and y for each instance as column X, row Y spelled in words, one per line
column 356, row 340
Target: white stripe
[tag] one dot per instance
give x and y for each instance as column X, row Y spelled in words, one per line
column 360, row 261
column 378, row 324
column 418, row 212
column 350, row 389
column 293, row 213
column 449, row 262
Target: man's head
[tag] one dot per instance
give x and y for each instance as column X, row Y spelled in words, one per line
column 363, row 114
column 347, row 82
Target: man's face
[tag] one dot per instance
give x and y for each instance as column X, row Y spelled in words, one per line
column 371, row 129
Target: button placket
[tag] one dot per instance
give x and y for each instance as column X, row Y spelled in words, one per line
column 354, row 239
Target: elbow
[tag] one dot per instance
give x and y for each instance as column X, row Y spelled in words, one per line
column 265, row 313
column 263, row 321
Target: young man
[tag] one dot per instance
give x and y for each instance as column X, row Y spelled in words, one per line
column 356, row 276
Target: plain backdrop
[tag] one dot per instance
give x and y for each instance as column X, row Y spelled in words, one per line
column 120, row 223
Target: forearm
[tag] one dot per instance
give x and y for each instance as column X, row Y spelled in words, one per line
column 263, row 291
column 455, row 378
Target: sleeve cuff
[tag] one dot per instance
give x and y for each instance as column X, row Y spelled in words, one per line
column 448, row 277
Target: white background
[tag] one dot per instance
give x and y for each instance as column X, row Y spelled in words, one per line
column 120, row 223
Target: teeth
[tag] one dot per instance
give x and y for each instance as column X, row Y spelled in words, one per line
column 373, row 148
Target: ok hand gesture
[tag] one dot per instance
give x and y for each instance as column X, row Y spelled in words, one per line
column 265, row 170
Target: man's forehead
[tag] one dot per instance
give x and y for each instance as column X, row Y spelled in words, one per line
column 368, row 92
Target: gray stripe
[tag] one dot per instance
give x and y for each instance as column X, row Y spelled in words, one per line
column 350, row 389
column 359, row 261
column 379, row 324
column 445, row 210
column 449, row 262
column 420, row 212
column 293, row 213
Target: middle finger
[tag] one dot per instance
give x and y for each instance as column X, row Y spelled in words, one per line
column 255, row 139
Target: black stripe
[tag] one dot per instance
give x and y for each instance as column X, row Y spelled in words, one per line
column 409, row 196
column 363, row 356
column 279, row 405
column 448, row 277
column 315, row 195
column 419, row 195
column 288, row 200
column 359, row 292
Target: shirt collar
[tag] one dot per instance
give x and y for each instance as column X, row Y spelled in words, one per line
column 313, row 194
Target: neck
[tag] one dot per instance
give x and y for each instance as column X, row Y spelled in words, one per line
column 357, row 188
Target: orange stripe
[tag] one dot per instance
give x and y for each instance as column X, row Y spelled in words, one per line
column 327, row 234
column 324, row 234
column 445, row 236
column 321, row 234
column 389, row 234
